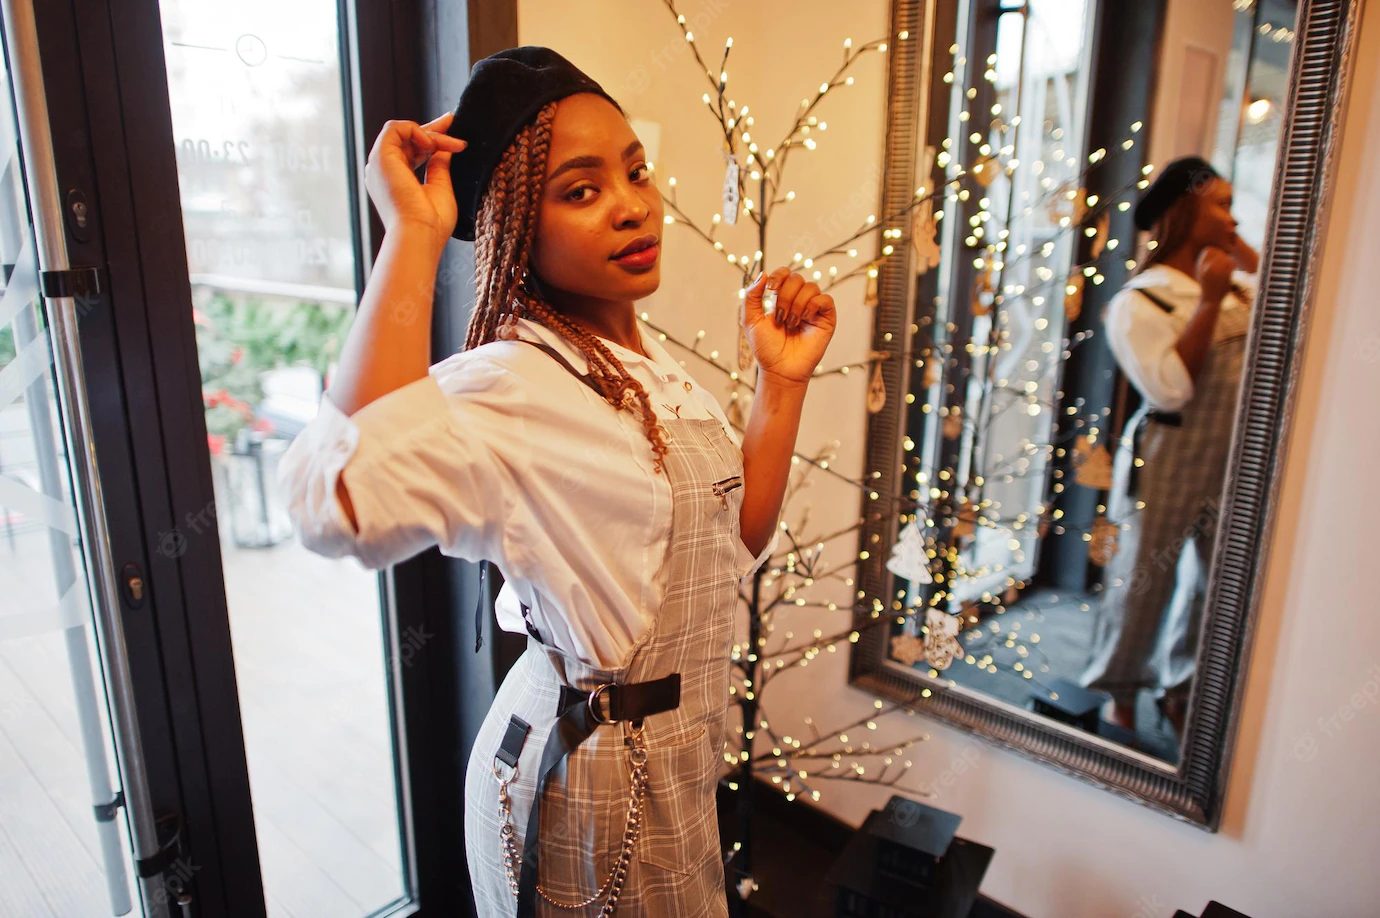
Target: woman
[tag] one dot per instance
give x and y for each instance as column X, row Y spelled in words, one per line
column 1178, row 331
column 564, row 444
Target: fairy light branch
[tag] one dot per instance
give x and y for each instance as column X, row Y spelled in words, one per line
column 781, row 586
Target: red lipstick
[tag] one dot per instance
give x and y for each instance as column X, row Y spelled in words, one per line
column 642, row 252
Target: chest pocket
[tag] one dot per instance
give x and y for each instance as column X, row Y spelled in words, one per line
column 725, row 484
column 725, row 488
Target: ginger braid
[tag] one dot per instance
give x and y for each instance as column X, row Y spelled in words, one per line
column 504, row 231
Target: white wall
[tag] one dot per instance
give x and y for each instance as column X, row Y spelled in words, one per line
column 1300, row 831
column 1194, row 50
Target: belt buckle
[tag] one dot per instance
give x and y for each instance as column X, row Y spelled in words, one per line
column 594, row 703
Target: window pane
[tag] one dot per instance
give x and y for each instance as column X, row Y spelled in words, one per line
column 258, row 117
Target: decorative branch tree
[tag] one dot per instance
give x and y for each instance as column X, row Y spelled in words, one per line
column 940, row 520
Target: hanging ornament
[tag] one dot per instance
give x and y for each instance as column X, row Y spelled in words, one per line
column 941, row 646
column 870, row 294
column 984, row 289
column 924, row 238
column 908, row 559
column 744, row 346
column 931, row 372
column 986, row 170
column 1103, row 544
column 1093, row 464
column 964, row 526
column 1103, row 228
column 1073, row 296
column 953, row 424
column 731, row 194
column 876, row 390
column 925, row 167
column 907, row 649
column 1068, row 204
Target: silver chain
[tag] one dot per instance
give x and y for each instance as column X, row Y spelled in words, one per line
column 613, row 883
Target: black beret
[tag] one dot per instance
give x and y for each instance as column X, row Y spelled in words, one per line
column 505, row 92
column 1189, row 174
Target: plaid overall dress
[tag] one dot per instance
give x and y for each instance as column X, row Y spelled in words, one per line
column 1144, row 606
column 676, row 866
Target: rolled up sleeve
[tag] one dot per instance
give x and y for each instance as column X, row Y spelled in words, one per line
column 1142, row 337
column 423, row 465
column 747, row 564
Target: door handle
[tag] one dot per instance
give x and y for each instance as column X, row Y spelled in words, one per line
column 45, row 201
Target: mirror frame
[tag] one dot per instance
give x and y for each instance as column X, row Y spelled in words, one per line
column 1194, row 790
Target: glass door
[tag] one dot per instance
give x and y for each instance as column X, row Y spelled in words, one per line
column 258, row 103
column 268, row 682
column 67, row 738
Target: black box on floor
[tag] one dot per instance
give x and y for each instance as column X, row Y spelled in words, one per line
column 1068, row 703
column 912, row 839
column 1214, row 910
column 864, row 891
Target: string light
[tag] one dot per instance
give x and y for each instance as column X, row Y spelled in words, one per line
column 788, row 578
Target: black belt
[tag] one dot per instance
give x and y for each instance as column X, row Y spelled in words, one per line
column 1167, row 418
column 578, row 714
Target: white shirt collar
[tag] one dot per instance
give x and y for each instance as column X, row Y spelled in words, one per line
column 1165, row 276
column 658, row 360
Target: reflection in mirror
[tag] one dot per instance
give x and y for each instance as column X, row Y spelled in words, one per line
column 1079, row 348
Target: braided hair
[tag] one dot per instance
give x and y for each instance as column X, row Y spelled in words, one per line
column 1172, row 232
column 505, row 290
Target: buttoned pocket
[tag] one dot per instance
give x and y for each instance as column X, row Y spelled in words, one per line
column 680, row 828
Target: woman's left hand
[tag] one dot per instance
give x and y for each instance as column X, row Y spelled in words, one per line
column 789, row 342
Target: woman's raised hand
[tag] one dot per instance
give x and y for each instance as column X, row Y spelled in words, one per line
column 1214, row 274
column 789, row 341
column 391, row 180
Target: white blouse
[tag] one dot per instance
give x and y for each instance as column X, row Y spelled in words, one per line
column 500, row 454
column 1142, row 335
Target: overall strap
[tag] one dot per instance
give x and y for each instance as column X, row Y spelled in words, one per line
column 479, row 613
column 577, row 717
column 560, row 358
column 484, row 565
column 1158, row 301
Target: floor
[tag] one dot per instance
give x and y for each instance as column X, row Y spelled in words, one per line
column 1064, row 624
column 793, row 840
column 310, row 666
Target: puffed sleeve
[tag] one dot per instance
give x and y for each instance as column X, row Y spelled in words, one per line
column 1142, row 337
column 431, row 463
